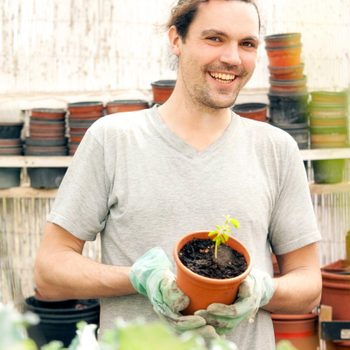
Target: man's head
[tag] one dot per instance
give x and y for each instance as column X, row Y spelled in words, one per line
column 184, row 12
column 216, row 44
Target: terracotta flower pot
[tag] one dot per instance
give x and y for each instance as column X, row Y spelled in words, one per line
column 162, row 89
column 204, row 291
column 282, row 39
column 336, row 288
column 301, row 330
column 284, row 55
column 48, row 114
column 252, row 110
column 87, row 107
column 126, row 106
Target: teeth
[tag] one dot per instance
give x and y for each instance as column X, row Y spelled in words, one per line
column 222, row 76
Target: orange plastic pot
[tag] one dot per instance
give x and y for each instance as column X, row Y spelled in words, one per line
column 300, row 330
column 336, row 289
column 204, row 291
column 282, row 39
column 118, row 106
column 287, row 72
column 252, row 110
column 162, row 89
column 48, row 113
column 87, row 107
column 284, row 55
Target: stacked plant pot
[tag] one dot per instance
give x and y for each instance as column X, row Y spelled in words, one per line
column 288, row 94
column 252, row 110
column 80, row 117
column 10, row 145
column 47, row 130
column 336, row 290
column 117, row 106
column 300, row 329
column 328, row 114
column 162, row 89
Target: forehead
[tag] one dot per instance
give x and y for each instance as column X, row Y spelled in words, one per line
column 232, row 17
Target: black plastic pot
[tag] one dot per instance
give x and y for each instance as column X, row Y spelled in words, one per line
column 46, row 177
column 58, row 319
column 300, row 133
column 288, row 109
column 11, row 130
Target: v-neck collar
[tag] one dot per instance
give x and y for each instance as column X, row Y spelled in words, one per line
column 182, row 146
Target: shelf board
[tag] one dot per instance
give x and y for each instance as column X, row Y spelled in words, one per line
column 327, row 153
column 27, row 192
column 64, row 161
column 341, row 187
column 34, row 161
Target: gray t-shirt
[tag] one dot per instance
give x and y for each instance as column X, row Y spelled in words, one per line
column 140, row 185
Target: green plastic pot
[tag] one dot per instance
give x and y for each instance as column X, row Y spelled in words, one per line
column 328, row 171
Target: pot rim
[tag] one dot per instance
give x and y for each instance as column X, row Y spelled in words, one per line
column 279, row 36
column 294, row 317
column 180, row 243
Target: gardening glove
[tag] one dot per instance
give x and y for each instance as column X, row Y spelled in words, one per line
column 255, row 291
column 151, row 275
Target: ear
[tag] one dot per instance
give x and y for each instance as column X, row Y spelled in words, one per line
column 174, row 40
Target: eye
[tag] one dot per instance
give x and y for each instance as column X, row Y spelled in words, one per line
column 250, row 44
column 215, row 39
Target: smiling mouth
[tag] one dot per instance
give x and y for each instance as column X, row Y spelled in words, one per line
column 223, row 77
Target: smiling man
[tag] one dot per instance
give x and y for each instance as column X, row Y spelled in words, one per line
column 144, row 179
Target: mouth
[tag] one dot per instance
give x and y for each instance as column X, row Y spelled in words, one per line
column 225, row 78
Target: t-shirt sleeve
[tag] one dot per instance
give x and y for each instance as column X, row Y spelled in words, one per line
column 81, row 203
column 293, row 224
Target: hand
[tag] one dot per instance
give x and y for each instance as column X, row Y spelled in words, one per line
column 255, row 291
column 151, row 275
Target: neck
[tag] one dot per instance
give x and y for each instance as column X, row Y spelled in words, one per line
column 199, row 126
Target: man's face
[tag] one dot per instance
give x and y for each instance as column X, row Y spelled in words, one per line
column 218, row 56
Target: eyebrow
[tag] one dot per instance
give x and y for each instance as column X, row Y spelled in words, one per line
column 219, row 32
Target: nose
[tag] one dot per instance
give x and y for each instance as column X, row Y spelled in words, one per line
column 231, row 54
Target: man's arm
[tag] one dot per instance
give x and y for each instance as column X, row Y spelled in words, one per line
column 298, row 290
column 61, row 272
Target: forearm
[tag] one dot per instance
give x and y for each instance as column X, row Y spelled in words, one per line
column 61, row 272
column 296, row 292
column 68, row 275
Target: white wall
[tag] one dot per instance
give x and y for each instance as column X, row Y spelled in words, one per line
column 52, row 51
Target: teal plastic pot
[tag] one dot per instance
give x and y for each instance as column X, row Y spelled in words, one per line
column 328, row 171
column 10, row 177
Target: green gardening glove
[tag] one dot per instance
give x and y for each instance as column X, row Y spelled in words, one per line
column 151, row 275
column 255, row 291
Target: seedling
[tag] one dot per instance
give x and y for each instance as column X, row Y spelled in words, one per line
column 222, row 232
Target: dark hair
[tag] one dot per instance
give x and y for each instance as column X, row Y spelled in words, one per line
column 185, row 11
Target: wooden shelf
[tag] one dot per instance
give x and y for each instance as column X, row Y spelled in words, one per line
column 64, row 161
column 34, row 162
column 27, row 192
column 341, row 187
column 327, row 153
